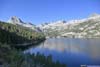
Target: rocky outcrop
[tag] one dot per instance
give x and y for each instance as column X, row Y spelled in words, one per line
column 17, row 21
column 83, row 28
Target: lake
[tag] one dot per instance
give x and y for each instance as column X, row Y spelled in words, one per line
column 74, row 52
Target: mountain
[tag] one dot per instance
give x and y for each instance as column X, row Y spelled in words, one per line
column 17, row 35
column 17, row 21
column 84, row 28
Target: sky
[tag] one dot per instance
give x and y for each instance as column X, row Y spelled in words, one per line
column 41, row 11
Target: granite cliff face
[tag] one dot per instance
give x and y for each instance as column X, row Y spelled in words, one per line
column 83, row 28
column 17, row 21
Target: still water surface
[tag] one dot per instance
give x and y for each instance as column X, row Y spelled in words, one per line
column 72, row 52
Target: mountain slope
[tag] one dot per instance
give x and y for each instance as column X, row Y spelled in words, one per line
column 16, row 34
column 84, row 28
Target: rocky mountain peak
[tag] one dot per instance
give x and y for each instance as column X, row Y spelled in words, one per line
column 15, row 20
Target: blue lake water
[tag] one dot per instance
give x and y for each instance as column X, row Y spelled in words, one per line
column 73, row 52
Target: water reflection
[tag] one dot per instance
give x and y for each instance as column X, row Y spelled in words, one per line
column 84, row 51
column 88, row 46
